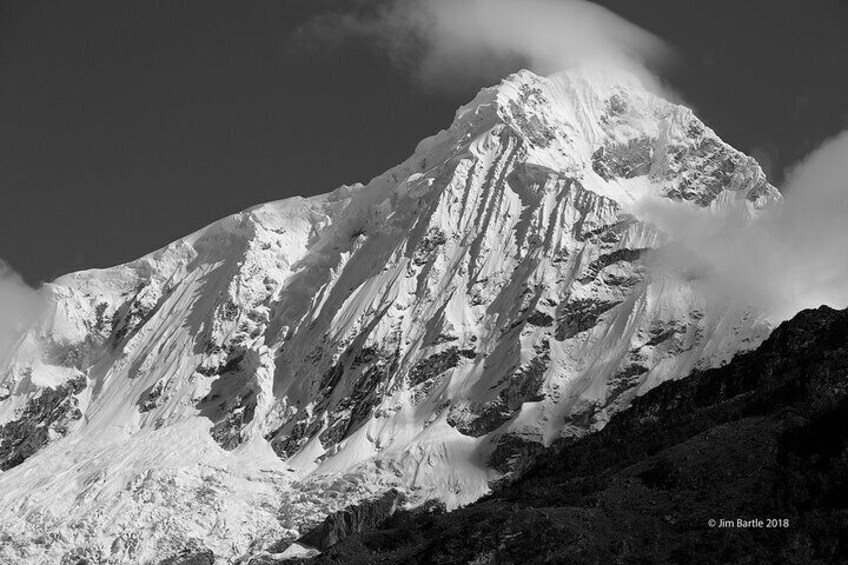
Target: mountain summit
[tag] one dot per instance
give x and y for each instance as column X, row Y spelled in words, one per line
column 426, row 332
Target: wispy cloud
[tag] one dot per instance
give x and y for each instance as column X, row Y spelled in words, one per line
column 20, row 307
column 449, row 44
column 811, row 231
column 792, row 257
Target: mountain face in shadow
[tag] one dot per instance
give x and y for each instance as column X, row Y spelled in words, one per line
column 759, row 446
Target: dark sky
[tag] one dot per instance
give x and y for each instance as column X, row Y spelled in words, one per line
column 125, row 125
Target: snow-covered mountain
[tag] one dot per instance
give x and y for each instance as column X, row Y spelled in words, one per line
column 427, row 331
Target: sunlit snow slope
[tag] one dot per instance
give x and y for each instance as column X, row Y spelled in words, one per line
column 428, row 330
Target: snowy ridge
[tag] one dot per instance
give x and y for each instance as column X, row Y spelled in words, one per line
column 426, row 331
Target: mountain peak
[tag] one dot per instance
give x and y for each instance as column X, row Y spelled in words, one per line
column 603, row 127
column 585, row 82
column 426, row 331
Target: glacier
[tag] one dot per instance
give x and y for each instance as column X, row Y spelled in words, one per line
column 428, row 331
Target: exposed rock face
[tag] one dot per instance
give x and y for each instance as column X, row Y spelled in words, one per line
column 46, row 417
column 352, row 520
column 428, row 331
column 761, row 438
column 202, row 557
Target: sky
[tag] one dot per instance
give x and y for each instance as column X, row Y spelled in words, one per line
column 126, row 125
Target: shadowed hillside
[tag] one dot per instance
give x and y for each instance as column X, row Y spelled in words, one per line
column 762, row 438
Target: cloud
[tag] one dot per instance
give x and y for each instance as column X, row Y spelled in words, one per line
column 461, row 44
column 811, row 230
column 20, row 307
column 791, row 257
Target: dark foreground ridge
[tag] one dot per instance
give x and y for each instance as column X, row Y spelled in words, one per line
column 763, row 438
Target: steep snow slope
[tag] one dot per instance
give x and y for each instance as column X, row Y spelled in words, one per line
column 427, row 331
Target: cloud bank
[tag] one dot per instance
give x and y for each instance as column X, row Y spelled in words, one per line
column 20, row 307
column 460, row 44
column 792, row 257
column 811, row 231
